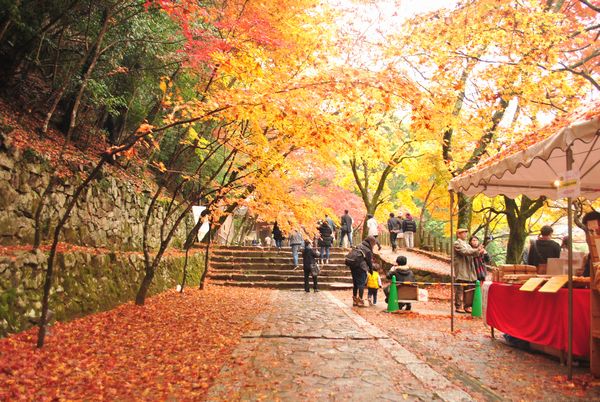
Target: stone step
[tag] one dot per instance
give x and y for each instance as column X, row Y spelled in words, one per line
column 293, row 277
column 286, row 253
column 265, row 260
column 244, row 249
column 324, row 271
column 253, row 266
column 283, row 285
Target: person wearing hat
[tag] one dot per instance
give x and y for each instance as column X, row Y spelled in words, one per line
column 464, row 270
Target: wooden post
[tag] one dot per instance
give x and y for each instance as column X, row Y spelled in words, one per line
column 451, row 264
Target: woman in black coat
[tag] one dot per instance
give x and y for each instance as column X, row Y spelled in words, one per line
column 309, row 263
column 277, row 236
column 325, row 241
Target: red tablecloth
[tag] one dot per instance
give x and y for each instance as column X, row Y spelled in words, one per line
column 541, row 317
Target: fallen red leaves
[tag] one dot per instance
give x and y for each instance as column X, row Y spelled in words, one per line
column 171, row 348
column 65, row 161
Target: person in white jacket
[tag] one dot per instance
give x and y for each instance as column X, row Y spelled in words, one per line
column 372, row 229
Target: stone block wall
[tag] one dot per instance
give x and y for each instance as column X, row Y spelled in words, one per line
column 110, row 213
column 84, row 283
column 108, row 220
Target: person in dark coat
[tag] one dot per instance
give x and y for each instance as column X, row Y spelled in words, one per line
column 309, row 260
column 409, row 228
column 542, row 249
column 402, row 274
column 359, row 272
column 394, row 227
column 346, row 228
column 277, row 236
column 325, row 241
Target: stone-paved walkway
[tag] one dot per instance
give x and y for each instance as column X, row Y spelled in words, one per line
column 310, row 346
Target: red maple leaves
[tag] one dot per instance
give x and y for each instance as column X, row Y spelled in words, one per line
column 171, row 348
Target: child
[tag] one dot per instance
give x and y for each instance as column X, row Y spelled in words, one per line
column 373, row 284
column 402, row 274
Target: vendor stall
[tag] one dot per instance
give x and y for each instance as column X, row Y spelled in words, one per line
column 560, row 161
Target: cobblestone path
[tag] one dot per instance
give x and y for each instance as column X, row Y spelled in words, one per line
column 311, row 345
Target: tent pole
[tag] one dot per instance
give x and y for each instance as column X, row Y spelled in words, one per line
column 570, row 265
column 452, row 290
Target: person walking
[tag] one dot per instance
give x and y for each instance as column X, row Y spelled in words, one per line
column 309, row 264
column 277, row 236
column 373, row 230
column 360, row 261
column 325, row 241
column 373, row 285
column 409, row 228
column 296, row 242
column 331, row 224
column 394, row 227
column 346, row 228
column 464, row 271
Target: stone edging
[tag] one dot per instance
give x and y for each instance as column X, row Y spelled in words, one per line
column 442, row 387
column 435, row 256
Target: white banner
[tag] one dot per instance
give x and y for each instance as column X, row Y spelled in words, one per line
column 205, row 227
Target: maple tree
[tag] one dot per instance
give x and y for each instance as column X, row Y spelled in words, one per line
column 484, row 69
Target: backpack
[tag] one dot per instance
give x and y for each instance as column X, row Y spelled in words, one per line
column 354, row 257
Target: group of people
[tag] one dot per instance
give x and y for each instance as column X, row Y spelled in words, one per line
column 311, row 258
column 401, row 230
column 470, row 259
column 365, row 274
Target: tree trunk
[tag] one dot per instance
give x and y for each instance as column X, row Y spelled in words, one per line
column 516, row 241
column 206, row 261
column 465, row 211
column 71, row 114
column 52, row 255
column 517, row 217
column 140, row 297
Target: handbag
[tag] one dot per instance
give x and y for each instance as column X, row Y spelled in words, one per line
column 315, row 269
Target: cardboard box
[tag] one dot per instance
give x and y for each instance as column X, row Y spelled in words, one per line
column 408, row 293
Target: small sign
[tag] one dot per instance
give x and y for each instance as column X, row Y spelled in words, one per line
column 532, row 284
column 569, row 185
column 554, row 284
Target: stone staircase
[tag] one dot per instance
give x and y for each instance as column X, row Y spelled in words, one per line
column 269, row 268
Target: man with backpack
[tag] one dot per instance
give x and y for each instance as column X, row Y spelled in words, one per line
column 360, row 261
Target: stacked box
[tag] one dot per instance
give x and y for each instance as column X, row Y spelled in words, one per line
column 516, row 273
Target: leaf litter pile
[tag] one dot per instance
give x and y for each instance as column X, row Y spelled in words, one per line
column 171, row 348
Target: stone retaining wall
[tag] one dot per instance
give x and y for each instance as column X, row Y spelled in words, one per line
column 84, row 283
column 110, row 212
column 109, row 216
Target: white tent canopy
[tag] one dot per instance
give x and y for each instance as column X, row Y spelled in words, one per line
column 534, row 170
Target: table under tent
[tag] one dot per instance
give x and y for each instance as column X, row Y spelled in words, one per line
column 559, row 161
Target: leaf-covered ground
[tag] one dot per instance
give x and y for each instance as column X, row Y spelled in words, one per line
column 171, row 348
column 483, row 366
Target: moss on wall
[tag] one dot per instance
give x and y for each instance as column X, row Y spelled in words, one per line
column 84, row 284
